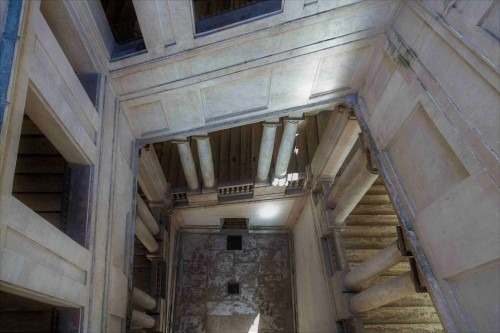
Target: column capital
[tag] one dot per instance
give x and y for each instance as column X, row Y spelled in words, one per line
column 351, row 100
column 271, row 124
column 180, row 140
column 201, row 137
column 294, row 120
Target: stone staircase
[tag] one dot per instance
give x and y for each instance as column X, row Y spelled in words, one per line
column 370, row 227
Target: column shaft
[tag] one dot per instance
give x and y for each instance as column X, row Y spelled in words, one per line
column 142, row 299
column 364, row 180
column 354, row 166
column 188, row 164
column 144, row 213
column 372, row 267
column 382, row 294
column 206, row 161
column 286, row 147
column 140, row 319
column 151, row 177
column 145, row 236
column 266, row 152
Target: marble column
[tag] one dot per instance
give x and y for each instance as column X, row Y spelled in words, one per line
column 382, row 294
column 140, row 298
column 146, row 216
column 187, row 162
column 286, row 147
column 145, row 236
column 350, row 189
column 372, row 267
column 206, row 160
column 266, row 151
column 140, row 319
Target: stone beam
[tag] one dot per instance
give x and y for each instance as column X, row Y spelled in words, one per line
column 351, row 187
column 382, row 294
column 338, row 139
column 140, row 319
column 140, row 298
column 146, row 216
column 155, row 24
column 372, row 267
column 145, row 236
column 151, row 177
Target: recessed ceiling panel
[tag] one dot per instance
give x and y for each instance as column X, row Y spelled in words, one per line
column 148, row 118
column 338, row 72
column 183, row 109
column 292, row 85
column 231, row 98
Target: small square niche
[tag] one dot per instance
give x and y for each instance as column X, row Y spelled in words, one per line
column 233, row 288
column 234, row 243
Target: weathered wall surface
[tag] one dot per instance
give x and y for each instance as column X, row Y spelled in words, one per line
column 431, row 103
column 38, row 260
column 262, row 268
column 313, row 306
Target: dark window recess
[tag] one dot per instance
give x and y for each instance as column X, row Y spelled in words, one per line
column 123, row 21
column 326, row 257
column 233, row 288
column 214, row 14
column 234, row 242
column 234, row 223
column 56, row 190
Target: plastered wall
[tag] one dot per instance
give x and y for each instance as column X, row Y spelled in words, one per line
column 314, row 312
column 431, row 104
column 39, row 261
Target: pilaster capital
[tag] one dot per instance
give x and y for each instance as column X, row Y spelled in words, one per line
column 271, row 124
column 181, row 140
column 294, row 120
column 201, row 137
column 351, row 100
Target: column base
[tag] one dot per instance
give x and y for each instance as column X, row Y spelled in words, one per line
column 330, row 220
column 341, row 296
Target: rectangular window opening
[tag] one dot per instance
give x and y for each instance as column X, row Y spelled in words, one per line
column 233, row 288
column 214, row 14
column 36, row 316
column 46, row 183
column 234, row 243
column 325, row 247
column 234, row 224
column 124, row 27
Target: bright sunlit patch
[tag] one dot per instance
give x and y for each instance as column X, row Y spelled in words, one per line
column 255, row 326
column 268, row 211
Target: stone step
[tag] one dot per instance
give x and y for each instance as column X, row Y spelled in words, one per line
column 354, row 230
column 372, row 219
column 368, row 242
column 407, row 328
column 402, row 315
column 376, row 199
column 373, row 210
column 376, row 190
column 395, row 270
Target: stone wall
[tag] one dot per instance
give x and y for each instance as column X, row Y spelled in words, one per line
column 262, row 269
